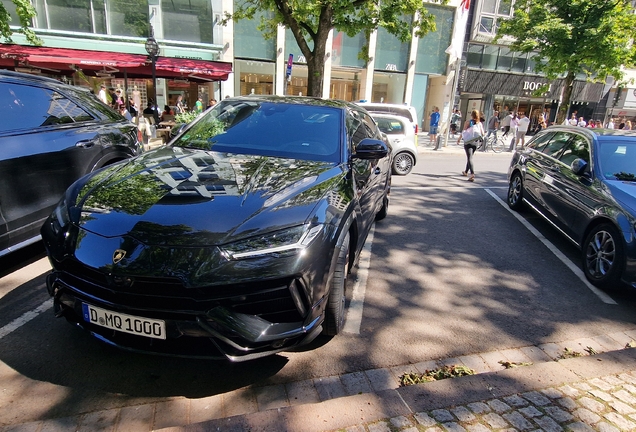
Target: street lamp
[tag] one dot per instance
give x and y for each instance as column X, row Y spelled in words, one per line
column 152, row 48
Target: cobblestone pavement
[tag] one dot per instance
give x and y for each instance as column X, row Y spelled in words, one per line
column 603, row 404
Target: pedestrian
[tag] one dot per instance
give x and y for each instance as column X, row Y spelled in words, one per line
column 434, row 124
column 514, row 122
column 132, row 108
column 102, row 94
column 179, row 105
column 198, row 106
column 123, row 111
column 522, row 130
column 505, row 123
column 628, row 125
column 211, row 103
column 493, row 125
column 472, row 132
column 610, row 123
column 581, row 122
column 456, row 118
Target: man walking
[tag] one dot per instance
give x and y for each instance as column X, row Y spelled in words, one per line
column 522, row 129
column 493, row 125
column 434, row 124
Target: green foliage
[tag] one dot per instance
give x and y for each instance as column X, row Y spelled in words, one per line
column 435, row 375
column 572, row 37
column 186, row 117
column 25, row 12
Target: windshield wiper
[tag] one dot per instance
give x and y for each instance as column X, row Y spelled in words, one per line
column 625, row 176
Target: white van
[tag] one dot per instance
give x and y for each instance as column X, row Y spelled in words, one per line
column 407, row 111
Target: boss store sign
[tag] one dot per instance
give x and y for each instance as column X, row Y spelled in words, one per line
column 508, row 84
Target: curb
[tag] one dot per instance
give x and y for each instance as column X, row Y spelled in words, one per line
column 412, row 401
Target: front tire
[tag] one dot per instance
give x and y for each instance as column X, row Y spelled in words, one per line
column 335, row 311
column 515, row 192
column 498, row 145
column 403, row 163
column 603, row 256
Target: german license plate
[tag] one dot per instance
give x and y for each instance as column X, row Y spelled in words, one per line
column 125, row 323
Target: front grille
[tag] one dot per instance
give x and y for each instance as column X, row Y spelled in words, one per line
column 269, row 299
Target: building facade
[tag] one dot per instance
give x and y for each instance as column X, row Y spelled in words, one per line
column 191, row 30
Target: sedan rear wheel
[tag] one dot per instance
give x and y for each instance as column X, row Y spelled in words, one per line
column 403, row 163
column 335, row 312
column 515, row 192
column 603, row 257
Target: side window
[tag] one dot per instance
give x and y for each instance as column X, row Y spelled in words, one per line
column 390, row 126
column 578, row 147
column 30, row 107
column 539, row 142
column 370, row 126
column 556, row 144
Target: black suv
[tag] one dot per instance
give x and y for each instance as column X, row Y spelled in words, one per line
column 51, row 134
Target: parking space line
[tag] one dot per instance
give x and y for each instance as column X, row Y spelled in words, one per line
column 353, row 319
column 565, row 260
column 25, row 318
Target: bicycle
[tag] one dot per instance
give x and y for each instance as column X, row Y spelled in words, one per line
column 494, row 141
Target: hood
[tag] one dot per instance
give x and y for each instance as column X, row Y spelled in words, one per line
column 194, row 197
column 624, row 193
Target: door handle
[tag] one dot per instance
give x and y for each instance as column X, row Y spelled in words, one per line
column 85, row 144
column 377, row 171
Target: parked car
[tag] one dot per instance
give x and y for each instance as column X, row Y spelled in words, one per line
column 235, row 239
column 402, row 138
column 51, row 134
column 407, row 111
column 583, row 182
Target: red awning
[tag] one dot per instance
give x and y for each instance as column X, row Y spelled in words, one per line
column 65, row 61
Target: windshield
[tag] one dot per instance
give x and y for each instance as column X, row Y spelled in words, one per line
column 617, row 159
column 287, row 130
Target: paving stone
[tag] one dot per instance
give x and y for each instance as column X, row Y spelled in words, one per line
column 582, row 345
column 453, row 427
column 271, row 397
column 99, row 421
column 515, row 355
column 601, row 395
column 630, row 388
column 453, row 361
column 622, row 338
column 357, row 428
column 552, row 393
column 463, row 414
column 442, row 415
column 381, row 379
column 411, row 429
column 621, row 422
column 239, row 402
column 492, row 359
column 628, row 378
column 517, row 420
column 476, row 363
column 587, row 416
column 591, row 404
column 401, row 422
column 608, row 343
column 622, row 408
column 329, row 388
column 499, row 406
column 136, row 418
column 548, row 424
column 479, row 407
column 535, row 354
column 302, row 392
column 558, row 414
column 477, row 428
column 61, row 424
column 171, row 413
column 613, row 380
column 24, row 427
column 536, row 398
column 583, row 386
column 423, row 367
column 625, row 397
column 606, row 427
column 569, row 391
column 530, row 412
column 516, row 401
column 579, row 427
column 379, row 427
column 424, row 419
column 567, row 403
column 355, row 383
column 495, row 420
column 434, row 429
column 552, row 350
column 600, row 384
column 204, row 409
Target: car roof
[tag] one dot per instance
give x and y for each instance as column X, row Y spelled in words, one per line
column 19, row 76
column 304, row 100
column 389, row 116
column 598, row 133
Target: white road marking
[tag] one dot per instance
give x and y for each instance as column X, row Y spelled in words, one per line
column 353, row 320
column 25, row 318
column 565, row 260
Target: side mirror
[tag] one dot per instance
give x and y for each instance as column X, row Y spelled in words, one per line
column 579, row 167
column 370, row 148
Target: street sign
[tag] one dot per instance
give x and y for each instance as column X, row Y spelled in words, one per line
column 290, row 62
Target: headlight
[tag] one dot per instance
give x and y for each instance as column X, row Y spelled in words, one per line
column 285, row 242
column 60, row 217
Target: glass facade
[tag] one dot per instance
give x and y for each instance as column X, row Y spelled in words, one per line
column 255, row 77
column 493, row 57
column 346, row 49
column 491, row 12
column 388, row 87
column 431, row 55
column 391, row 54
column 187, row 20
column 291, row 47
column 249, row 41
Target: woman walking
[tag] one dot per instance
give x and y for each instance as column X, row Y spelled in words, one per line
column 474, row 128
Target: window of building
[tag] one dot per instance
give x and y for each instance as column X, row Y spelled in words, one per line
column 391, row 54
column 473, row 56
column 292, row 47
column 249, row 41
column 491, row 12
column 491, row 53
column 187, row 20
column 345, row 50
column 504, row 62
column 388, row 87
column 256, row 77
column 519, row 62
column 431, row 55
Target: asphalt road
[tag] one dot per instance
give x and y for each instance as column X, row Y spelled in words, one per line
column 451, row 272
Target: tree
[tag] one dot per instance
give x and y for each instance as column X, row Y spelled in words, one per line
column 310, row 21
column 26, row 12
column 573, row 37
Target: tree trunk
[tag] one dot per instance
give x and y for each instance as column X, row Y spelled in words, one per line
column 316, row 64
column 565, row 102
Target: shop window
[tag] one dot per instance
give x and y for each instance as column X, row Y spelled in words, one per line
column 256, row 77
column 431, row 55
column 474, row 54
column 187, row 20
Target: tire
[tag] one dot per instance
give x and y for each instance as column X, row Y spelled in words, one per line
column 403, row 163
column 498, row 145
column 335, row 310
column 603, row 256
column 515, row 192
column 384, row 210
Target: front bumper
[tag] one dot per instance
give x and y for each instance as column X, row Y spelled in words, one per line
column 218, row 332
